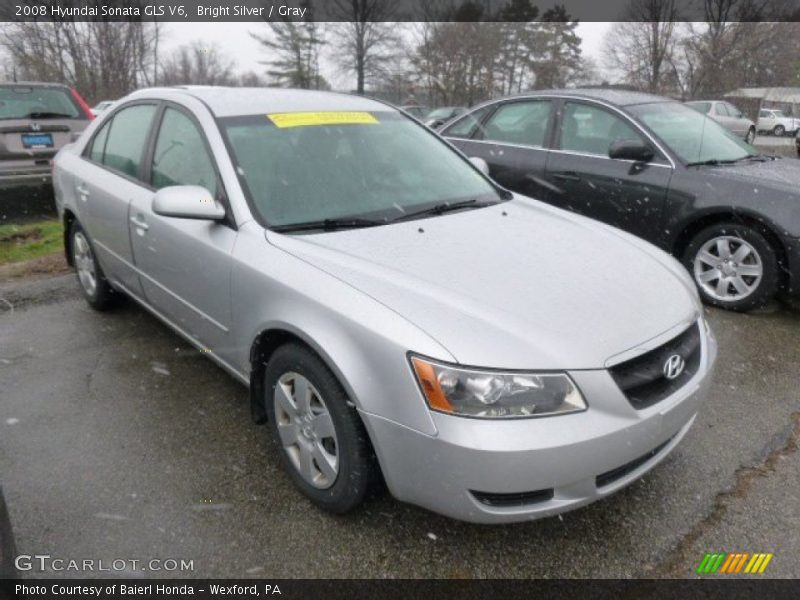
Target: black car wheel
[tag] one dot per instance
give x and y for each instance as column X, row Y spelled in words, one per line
column 779, row 130
column 751, row 135
column 94, row 285
column 734, row 266
column 322, row 442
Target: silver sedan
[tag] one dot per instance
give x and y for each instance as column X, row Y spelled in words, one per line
column 393, row 311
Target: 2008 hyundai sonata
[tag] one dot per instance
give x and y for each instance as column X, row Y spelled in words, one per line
column 393, row 311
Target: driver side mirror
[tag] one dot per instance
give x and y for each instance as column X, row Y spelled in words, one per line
column 635, row 150
column 187, row 202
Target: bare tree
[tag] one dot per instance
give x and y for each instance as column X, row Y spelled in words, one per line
column 101, row 59
column 367, row 41
column 198, row 63
column 642, row 47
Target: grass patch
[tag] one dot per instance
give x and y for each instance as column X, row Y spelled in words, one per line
column 31, row 240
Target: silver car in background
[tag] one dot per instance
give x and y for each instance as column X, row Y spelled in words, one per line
column 393, row 311
column 727, row 115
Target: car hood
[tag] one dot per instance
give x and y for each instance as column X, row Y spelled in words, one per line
column 518, row 285
column 780, row 173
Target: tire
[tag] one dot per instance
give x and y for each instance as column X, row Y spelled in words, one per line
column 94, row 285
column 779, row 130
column 751, row 136
column 746, row 280
column 330, row 460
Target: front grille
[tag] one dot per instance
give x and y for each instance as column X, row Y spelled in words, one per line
column 510, row 500
column 613, row 475
column 642, row 379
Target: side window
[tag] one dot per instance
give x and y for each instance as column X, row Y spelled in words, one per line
column 127, row 138
column 764, row 114
column 98, row 148
column 466, row 127
column 591, row 130
column 520, row 123
column 720, row 110
column 180, row 156
column 704, row 107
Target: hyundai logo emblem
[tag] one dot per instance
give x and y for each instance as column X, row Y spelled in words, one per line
column 674, row 366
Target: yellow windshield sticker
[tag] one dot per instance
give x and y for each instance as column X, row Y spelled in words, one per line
column 304, row 119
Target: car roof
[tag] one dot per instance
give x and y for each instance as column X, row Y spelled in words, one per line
column 235, row 101
column 609, row 95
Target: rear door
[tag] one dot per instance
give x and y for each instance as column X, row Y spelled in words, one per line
column 105, row 184
column 184, row 264
column 513, row 140
column 739, row 123
column 622, row 193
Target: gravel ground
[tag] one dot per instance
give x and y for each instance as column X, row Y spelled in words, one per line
column 118, row 440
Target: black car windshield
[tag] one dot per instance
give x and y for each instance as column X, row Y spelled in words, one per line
column 694, row 137
column 31, row 102
column 308, row 167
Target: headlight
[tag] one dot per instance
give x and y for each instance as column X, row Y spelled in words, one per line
column 493, row 395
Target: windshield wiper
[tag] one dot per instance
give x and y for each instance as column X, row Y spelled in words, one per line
column 47, row 115
column 716, row 161
column 329, row 224
column 711, row 162
column 440, row 209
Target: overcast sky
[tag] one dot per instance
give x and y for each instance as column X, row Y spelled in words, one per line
column 235, row 41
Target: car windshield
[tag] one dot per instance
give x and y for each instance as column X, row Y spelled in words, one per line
column 23, row 102
column 378, row 165
column 441, row 113
column 694, row 137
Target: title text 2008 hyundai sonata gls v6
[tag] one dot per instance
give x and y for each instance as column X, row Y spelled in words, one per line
column 392, row 310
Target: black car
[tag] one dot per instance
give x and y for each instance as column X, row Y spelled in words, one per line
column 440, row 116
column 658, row 169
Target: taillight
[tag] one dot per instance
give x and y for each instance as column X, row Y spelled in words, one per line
column 82, row 104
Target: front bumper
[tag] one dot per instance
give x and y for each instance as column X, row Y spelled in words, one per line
column 513, row 470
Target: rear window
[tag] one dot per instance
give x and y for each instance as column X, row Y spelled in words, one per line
column 31, row 102
column 125, row 144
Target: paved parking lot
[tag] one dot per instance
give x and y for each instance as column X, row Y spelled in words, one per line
column 117, row 440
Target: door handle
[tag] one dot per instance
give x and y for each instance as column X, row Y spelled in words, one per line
column 83, row 191
column 139, row 223
column 567, row 176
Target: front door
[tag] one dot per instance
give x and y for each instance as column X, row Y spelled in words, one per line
column 626, row 194
column 184, row 264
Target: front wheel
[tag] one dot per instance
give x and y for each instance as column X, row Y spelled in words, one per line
column 779, row 130
column 320, row 437
column 734, row 266
column 751, row 136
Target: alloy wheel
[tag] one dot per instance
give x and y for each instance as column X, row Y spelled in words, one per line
column 728, row 268
column 306, row 430
column 84, row 263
